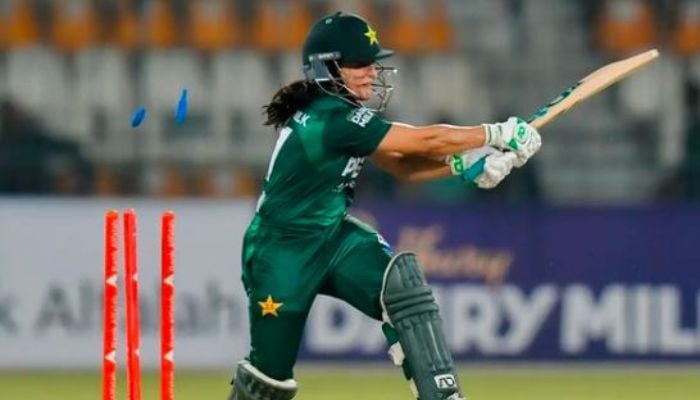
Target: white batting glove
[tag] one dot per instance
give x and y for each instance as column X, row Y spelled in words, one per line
column 485, row 166
column 515, row 135
column 496, row 168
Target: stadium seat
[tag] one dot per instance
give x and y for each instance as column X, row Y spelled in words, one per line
column 104, row 99
column 350, row 6
column 405, row 28
column 212, row 25
column 694, row 69
column 106, row 181
column 37, row 79
column 418, row 26
column 626, row 26
column 75, row 24
column 123, row 32
column 289, row 67
column 482, row 27
column 160, row 27
column 298, row 21
column 361, row 7
column 3, row 81
column 541, row 11
column 223, row 180
column 672, row 113
column 246, row 184
column 280, row 25
column 440, row 32
column 450, row 89
column 164, row 74
column 166, row 179
column 686, row 34
column 266, row 28
column 21, row 28
column 3, row 29
column 545, row 20
column 237, row 103
column 642, row 95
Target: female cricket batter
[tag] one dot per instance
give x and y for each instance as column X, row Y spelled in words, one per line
column 302, row 242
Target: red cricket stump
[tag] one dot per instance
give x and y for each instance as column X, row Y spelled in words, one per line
column 167, row 317
column 133, row 330
column 131, row 283
column 109, row 328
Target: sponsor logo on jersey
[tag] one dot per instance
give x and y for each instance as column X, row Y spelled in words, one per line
column 351, row 172
column 361, row 116
column 301, row 118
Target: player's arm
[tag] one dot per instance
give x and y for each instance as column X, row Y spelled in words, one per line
column 432, row 140
column 411, row 167
column 435, row 141
column 485, row 166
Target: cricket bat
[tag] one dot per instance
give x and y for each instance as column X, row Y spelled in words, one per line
column 592, row 84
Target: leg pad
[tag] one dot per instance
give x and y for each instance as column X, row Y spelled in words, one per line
column 251, row 384
column 411, row 309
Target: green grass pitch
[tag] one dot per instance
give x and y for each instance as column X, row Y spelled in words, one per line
column 369, row 383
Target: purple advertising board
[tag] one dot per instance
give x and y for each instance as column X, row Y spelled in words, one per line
column 539, row 283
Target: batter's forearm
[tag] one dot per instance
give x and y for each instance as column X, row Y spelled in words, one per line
column 451, row 139
column 433, row 140
column 420, row 169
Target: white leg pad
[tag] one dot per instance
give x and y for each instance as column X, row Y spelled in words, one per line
column 289, row 384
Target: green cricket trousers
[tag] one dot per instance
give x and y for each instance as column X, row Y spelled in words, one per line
column 283, row 271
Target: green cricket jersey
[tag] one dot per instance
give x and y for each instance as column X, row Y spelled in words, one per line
column 316, row 161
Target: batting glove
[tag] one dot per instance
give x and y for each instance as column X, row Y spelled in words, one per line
column 515, row 135
column 485, row 166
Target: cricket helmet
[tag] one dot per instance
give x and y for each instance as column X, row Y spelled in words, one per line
column 345, row 40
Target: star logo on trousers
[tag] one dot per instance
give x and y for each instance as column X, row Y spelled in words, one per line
column 269, row 307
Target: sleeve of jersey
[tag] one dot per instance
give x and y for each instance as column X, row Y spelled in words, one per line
column 355, row 133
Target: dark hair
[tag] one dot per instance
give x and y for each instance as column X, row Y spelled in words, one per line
column 290, row 99
column 299, row 94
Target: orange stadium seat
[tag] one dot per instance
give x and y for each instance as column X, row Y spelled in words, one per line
column 212, row 25
column 405, row 31
column 21, row 28
column 75, row 24
column 160, row 25
column 365, row 8
column 440, row 33
column 298, row 24
column 3, row 29
column 265, row 32
column 626, row 26
column 106, row 182
column 245, row 183
column 686, row 35
column 169, row 180
column 280, row 25
column 124, row 30
column 204, row 182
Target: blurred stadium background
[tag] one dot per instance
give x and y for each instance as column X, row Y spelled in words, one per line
column 587, row 256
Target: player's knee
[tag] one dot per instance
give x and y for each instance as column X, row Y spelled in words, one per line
column 251, row 384
column 404, row 290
